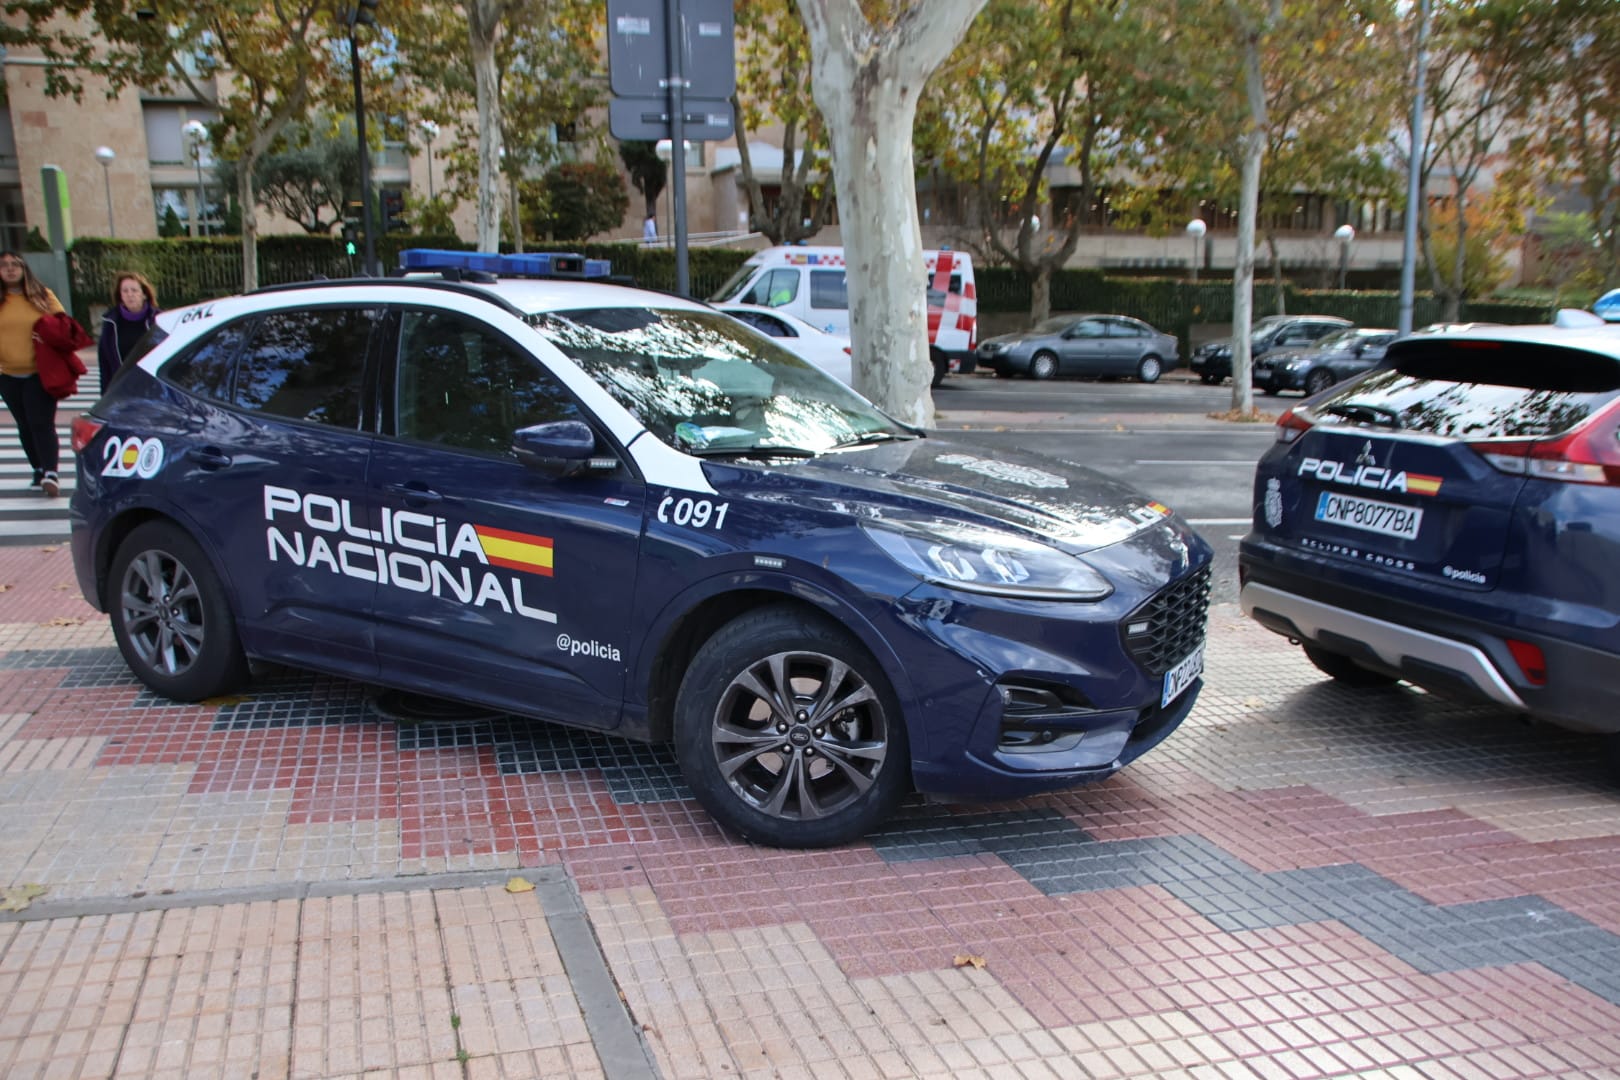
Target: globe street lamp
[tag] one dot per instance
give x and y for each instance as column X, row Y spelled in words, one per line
column 1196, row 229
column 105, row 155
column 1344, row 234
column 430, row 131
column 196, row 133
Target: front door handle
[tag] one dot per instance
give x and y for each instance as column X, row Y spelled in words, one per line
column 414, row 492
column 211, row 457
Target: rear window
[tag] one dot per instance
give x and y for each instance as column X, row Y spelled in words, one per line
column 1479, row 390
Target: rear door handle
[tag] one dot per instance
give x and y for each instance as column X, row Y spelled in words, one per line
column 414, row 492
column 211, row 457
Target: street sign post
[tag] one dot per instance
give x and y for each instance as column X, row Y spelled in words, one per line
column 672, row 67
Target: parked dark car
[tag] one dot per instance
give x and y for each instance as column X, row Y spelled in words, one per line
column 1453, row 519
column 1083, row 345
column 1212, row 361
column 1335, row 358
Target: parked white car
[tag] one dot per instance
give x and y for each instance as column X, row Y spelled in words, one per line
column 829, row 352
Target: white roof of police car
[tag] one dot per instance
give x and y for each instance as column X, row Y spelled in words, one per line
column 1603, row 340
column 655, row 458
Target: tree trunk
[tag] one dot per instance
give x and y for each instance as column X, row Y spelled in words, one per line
column 483, row 30
column 1279, row 288
column 1459, row 265
column 867, row 84
column 1040, row 293
column 515, row 208
column 1254, row 148
column 250, row 223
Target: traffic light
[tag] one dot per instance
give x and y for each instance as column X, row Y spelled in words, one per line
column 393, row 211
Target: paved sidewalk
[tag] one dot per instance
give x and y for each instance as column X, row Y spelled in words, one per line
column 1302, row 882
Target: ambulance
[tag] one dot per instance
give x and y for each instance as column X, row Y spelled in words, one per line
column 809, row 282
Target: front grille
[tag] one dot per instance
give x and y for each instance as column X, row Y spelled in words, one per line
column 1163, row 631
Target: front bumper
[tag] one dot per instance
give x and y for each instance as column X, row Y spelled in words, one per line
column 1277, row 379
column 1211, row 366
column 1041, row 696
column 1431, row 647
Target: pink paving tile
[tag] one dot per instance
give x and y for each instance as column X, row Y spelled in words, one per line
column 42, row 585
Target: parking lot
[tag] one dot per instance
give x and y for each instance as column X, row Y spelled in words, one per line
column 314, row 878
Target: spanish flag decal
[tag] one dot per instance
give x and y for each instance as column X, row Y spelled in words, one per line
column 1418, row 484
column 515, row 550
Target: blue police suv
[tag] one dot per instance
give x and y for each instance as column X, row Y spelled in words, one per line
column 1453, row 519
column 500, row 481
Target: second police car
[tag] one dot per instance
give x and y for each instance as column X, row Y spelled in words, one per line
column 624, row 511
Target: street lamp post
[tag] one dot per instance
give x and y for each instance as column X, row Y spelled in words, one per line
column 361, row 15
column 430, row 131
column 105, row 155
column 1196, row 229
column 1344, row 234
column 196, row 133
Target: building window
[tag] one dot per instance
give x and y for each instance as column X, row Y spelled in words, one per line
column 13, row 225
column 184, row 202
column 165, row 133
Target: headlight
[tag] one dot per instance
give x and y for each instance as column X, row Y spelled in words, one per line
column 986, row 561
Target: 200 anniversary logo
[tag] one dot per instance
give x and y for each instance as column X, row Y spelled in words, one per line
column 410, row 551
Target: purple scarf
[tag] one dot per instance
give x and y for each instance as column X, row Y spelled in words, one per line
column 143, row 315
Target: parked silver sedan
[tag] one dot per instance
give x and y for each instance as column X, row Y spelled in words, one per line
column 1083, row 345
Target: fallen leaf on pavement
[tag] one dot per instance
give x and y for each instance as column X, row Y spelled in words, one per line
column 517, row 884
column 965, row 960
column 7, row 588
column 1253, row 703
column 221, row 702
column 17, row 897
column 64, row 620
column 53, row 547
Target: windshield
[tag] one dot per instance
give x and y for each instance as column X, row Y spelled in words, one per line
column 1339, row 339
column 704, row 383
column 734, row 283
column 1266, row 327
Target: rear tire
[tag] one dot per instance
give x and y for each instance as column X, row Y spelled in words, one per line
column 1149, row 369
column 1043, row 366
column 1345, row 670
column 789, row 733
column 942, row 368
column 170, row 615
column 1270, row 391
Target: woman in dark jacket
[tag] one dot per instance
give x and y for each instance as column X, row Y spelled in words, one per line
column 133, row 312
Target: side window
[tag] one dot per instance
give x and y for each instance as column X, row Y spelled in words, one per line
column 460, row 385
column 828, row 289
column 205, row 371
column 1316, row 331
column 1123, row 328
column 774, row 327
column 1089, row 328
column 307, row 365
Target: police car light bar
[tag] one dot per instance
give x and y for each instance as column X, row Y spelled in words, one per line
column 538, row 265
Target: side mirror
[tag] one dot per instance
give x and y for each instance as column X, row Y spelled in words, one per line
column 560, row 448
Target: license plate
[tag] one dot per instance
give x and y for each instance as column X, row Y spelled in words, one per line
column 1369, row 515
column 1183, row 675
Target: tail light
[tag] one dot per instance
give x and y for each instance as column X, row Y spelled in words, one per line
column 1290, row 426
column 1590, row 454
column 85, row 429
column 1530, row 660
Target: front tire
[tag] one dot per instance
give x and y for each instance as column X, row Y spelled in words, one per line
column 1043, row 366
column 789, row 733
column 1345, row 670
column 1318, row 381
column 1149, row 369
column 171, row 617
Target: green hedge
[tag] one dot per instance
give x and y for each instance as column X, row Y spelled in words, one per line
column 185, row 271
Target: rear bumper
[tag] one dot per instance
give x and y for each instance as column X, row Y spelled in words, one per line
column 963, row 362
column 1433, row 648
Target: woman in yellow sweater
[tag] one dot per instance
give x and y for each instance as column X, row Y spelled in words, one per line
column 26, row 300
